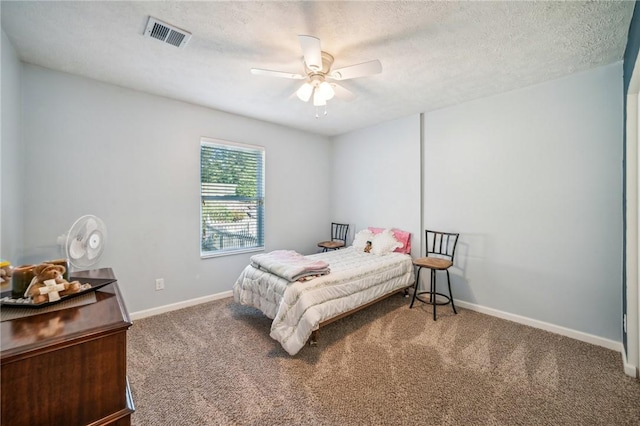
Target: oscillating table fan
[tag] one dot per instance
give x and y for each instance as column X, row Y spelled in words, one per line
column 85, row 241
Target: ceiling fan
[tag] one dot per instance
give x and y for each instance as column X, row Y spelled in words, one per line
column 317, row 72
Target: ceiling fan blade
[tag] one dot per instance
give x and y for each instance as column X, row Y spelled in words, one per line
column 311, row 51
column 281, row 74
column 342, row 93
column 360, row 70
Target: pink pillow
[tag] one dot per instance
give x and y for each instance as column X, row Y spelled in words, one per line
column 403, row 237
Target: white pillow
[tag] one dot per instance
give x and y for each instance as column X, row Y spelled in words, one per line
column 361, row 238
column 384, row 243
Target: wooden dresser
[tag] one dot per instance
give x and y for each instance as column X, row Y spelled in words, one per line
column 68, row 367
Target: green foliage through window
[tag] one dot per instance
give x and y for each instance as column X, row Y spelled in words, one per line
column 232, row 197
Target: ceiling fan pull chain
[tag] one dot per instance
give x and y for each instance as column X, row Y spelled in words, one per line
column 317, row 116
column 325, row 110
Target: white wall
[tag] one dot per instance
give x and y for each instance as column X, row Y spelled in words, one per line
column 376, row 177
column 632, row 355
column 133, row 160
column 11, row 154
column 532, row 179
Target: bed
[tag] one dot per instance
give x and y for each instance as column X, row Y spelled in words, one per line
column 356, row 280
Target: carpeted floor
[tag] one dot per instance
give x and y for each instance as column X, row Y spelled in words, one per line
column 215, row 364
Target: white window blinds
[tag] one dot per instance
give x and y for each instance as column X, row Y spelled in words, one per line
column 232, row 197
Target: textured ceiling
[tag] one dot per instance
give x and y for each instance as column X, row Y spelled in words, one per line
column 434, row 54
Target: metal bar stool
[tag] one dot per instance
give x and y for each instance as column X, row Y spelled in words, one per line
column 441, row 247
column 338, row 240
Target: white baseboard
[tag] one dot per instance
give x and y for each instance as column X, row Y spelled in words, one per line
column 629, row 369
column 563, row 331
column 180, row 305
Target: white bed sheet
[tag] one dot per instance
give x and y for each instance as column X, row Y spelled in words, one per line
column 297, row 308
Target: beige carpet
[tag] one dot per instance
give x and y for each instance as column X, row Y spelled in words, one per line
column 215, row 364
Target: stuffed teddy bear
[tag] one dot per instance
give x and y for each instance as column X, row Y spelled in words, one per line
column 48, row 284
column 5, row 271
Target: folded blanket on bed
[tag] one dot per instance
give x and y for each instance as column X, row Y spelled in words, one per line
column 289, row 265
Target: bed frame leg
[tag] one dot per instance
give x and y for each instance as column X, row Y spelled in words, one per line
column 313, row 340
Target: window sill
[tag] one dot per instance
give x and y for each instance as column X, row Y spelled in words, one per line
column 230, row 253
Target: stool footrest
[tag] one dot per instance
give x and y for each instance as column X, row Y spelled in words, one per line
column 433, row 294
column 434, row 302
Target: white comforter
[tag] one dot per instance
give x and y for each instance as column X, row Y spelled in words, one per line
column 298, row 307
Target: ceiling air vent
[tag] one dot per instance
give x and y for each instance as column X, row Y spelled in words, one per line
column 167, row 33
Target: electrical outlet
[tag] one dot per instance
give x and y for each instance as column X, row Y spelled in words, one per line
column 159, row 284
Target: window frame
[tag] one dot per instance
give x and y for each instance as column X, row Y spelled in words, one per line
column 259, row 198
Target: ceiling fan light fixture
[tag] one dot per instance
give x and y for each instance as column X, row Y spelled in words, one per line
column 304, row 92
column 318, row 74
column 326, row 90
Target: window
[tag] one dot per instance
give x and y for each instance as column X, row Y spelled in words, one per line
column 232, row 197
